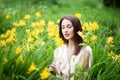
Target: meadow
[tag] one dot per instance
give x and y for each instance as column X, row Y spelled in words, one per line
column 29, row 35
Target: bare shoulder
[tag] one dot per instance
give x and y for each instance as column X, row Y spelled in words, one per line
column 87, row 48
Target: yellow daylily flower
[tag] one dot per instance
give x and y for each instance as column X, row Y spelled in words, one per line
column 78, row 15
column 7, row 16
column 94, row 37
column 22, row 23
column 38, row 14
column 32, row 67
column 109, row 40
column 80, row 34
column 18, row 50
column 94, row 26
column 45, row 74
column 20, row 58
column 27, row 16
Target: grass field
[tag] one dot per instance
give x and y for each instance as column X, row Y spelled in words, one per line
column 29, row 35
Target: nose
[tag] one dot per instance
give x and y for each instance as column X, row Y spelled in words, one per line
column 65, row 30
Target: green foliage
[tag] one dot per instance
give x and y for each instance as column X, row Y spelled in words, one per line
column 79, row 73
column 115, row 3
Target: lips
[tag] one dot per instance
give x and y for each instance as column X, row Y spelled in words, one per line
column 66, row 35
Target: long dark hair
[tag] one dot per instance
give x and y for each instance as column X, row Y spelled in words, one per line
column 77, row 27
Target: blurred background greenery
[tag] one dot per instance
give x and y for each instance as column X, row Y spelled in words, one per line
column 105, row 12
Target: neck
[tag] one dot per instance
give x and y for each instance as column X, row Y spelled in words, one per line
column 71, row 44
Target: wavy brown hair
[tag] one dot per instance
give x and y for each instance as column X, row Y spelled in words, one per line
column 77, row 27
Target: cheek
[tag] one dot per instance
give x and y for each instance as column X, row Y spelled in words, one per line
column 62, row 31
column 72, row 31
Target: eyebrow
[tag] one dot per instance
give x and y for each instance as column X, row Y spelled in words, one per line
column 67, row 24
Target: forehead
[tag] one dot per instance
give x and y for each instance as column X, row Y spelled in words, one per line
column 66, row 21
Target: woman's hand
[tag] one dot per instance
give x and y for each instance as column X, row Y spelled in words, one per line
column 52, row 67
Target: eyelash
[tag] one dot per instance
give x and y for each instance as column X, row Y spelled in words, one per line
column 69, row 26
column 63, row 27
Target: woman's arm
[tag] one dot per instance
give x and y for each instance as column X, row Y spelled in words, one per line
column 84, row 62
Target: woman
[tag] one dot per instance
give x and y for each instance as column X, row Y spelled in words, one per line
column 71, row 53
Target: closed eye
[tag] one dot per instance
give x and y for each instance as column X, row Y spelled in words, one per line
column 63, row 27
column 69, row 25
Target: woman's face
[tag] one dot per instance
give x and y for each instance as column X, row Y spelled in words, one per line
column 67, row 29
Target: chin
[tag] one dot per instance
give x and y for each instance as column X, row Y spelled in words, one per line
column 67, row 38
